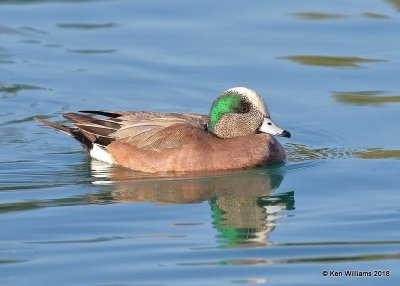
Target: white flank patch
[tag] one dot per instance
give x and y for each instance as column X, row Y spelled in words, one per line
column 99, row 153
column 253, row 98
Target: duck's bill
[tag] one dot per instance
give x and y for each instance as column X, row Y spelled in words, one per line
column 268, row 126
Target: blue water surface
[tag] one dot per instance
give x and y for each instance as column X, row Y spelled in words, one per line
column 329, row 73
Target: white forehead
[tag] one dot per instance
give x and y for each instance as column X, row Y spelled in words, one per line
column 253, row 97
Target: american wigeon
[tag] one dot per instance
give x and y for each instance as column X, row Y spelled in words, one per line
column 236, row 134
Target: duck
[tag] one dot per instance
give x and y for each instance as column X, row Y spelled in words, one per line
column 237, row 133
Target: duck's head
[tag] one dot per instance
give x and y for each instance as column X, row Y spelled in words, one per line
column 240, row 111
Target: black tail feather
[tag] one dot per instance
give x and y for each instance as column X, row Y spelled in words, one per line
column 104, row 113
column 60, row 127
column 88, row 130
column 71, row 131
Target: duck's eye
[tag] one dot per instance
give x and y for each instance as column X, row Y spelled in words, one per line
column 244, row 107
column 269, row 123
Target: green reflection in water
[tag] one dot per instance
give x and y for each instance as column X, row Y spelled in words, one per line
column 301, row 153
column 372, row 97
column 16, row 87
column 319, row 16
column 395, row 3
column 372, row 15
column 86, row 26
column 378, row 153
column 329, row 61
column 248, row 221
column 243, row 208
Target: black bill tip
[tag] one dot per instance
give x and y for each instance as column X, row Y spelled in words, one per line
column 286, row 133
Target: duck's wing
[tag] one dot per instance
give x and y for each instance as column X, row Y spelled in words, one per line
column 143, row 130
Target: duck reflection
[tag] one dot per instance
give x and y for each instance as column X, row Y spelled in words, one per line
column 243, row 210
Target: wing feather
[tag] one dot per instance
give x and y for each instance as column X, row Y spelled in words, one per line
column 143, row 130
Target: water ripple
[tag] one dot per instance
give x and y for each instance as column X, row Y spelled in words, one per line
column 16, row 87
column 330, row 61
column 319, row 16
column 370, row 97
column 86, row 26
column 301, row 152
column 92, row 51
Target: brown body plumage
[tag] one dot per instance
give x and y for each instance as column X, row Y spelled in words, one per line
column 167, row 142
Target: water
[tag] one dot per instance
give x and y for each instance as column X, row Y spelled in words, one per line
column 329, row 73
